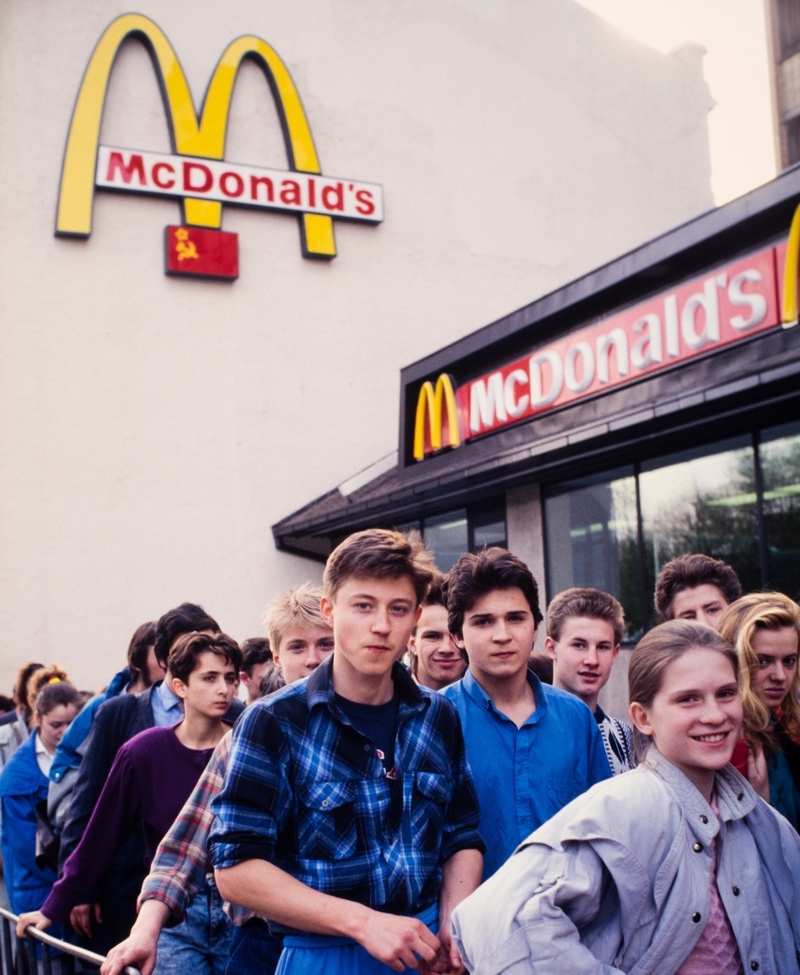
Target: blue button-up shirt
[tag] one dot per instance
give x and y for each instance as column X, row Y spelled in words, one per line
column 525, row 775
column 167, row 707
column 306, row 790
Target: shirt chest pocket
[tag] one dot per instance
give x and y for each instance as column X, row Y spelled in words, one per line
column 326, row 821
column 429, row 799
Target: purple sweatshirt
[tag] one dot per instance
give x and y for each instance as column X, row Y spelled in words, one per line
column 152, row 777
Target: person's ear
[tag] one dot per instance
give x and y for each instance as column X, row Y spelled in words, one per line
column 326, row 608
column 177, row 685
column 641, row 719
column 549, row 647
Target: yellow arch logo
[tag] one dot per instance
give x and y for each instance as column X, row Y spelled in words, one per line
column 202, row 137
column 790, row 273
column 434, row 405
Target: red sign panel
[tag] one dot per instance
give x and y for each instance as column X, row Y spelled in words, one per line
column 203, row 253
column 705, row 314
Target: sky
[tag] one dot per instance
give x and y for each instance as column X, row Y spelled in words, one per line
column 733, row 32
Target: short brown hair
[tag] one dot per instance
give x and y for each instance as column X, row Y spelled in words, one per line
column 592, row 604
column 186, row 650
column 689, row 572
column 657, row 650
column 380, row 553
column 143, row 638
column 293, row 607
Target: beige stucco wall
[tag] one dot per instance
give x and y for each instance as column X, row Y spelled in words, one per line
column 153, row 429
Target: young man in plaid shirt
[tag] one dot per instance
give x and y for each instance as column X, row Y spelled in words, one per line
column 348, row 815
column 301, row 640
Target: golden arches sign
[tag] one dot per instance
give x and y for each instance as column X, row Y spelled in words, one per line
column 789, row 310
column 431, row 406
column 202, row 137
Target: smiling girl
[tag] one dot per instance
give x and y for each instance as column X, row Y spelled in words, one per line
column 675, row 868
column 764, row 630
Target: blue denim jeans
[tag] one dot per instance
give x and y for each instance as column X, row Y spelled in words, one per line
column 200, row 945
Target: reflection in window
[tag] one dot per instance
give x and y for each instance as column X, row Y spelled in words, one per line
column 702, row 500
column 591, row 540
column 446, row 536
column 779, row 454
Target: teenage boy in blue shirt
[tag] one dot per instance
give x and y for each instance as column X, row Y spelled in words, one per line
column 531, row 748
column 348, row 816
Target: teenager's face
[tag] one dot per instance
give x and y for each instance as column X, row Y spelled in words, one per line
column 302, row 649
column 372, row 621
column 53, row 724
column 705, row 604
column 252, row 681
column 439, row 661
column 777, row 664
column 583, row 656
column 696, row 717
column 153, row 670
column 210, row 687
column 498, row 633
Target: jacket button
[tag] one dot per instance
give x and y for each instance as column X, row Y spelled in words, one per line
column 703, row 818
column 740, row 796
column 695, row 917
column 697, row 847
column 736, row 891
column 754, row 966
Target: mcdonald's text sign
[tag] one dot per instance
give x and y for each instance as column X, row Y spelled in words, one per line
column 196, row 171
column 701, row 316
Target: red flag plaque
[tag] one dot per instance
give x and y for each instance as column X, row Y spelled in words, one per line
column 201, row 252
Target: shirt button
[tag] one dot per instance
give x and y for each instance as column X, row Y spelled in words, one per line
column 366, row 748
column 740, row 797
column 754, row 966
column 697, row 847
column 325, row 802
column 736, row 891
column 704, row 818
column 695, row 917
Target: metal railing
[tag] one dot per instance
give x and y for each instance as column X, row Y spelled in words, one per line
column 32, row 954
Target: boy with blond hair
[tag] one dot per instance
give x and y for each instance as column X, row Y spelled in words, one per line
column 348, row 816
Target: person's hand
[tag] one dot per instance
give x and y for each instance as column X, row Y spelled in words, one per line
column 80, row 917
column 399, row 941
column 449, row 957
column 138, row 949
column 32, row 919
column 757, row 774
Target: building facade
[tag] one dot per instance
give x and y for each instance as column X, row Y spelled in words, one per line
column 646, row 410
column 349, row 187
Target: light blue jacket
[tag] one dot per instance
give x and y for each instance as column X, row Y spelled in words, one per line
column 619, row 881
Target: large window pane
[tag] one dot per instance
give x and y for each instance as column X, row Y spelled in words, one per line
column 446, row 536
column 780, row 468
column 591, row 540
column 702, row 500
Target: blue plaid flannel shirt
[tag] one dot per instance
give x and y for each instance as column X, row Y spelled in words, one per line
column 307, row 792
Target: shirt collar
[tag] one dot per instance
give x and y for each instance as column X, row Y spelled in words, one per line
column 479, row 695
column 168, row 698
column 319, row 689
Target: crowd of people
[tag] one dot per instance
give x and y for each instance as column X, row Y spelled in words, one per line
column 409, row 785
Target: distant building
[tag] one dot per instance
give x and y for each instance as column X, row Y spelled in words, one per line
column 783, row 36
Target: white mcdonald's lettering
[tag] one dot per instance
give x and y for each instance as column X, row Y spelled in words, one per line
column 273, row 189
column 695, row 318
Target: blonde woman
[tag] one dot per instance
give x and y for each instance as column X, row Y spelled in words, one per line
column 764, row 628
